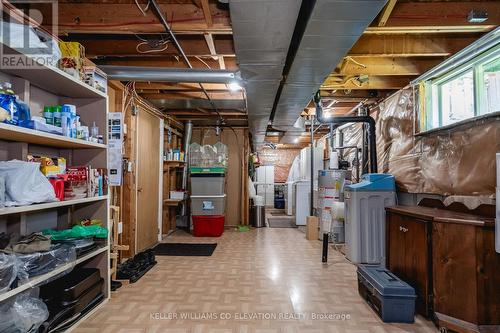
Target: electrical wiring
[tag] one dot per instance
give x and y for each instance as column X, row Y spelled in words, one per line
column 151, row 50
column 143, row 10
column 203, row 62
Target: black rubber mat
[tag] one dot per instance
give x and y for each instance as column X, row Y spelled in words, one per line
column 281, row 222
column 185, row 249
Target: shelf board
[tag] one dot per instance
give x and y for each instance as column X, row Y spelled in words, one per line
column 173, row 164
column 173, row 202
column 58, row 270
column 21, row 134
column 49, row 205
column 51, row 79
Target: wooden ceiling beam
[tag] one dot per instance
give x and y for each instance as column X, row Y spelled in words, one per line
column 206, row 12
column 193, row 95
column 436, row 45
column 90, row 17
column 386, row 12
column 385, row 66
column 430, row 29
column 374, row 82
column 341, row 94
column 168, row 61
column 192, row 47
column 433, row 14
column 157, row 86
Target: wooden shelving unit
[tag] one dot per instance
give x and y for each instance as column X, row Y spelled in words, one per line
column 172, row 202
column 173, row 164
column 39, row 86
column 49, row 205
column 172, row 179
column 21, row 134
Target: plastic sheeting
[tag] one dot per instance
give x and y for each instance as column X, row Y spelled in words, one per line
column 457, row 161
column 282, row 160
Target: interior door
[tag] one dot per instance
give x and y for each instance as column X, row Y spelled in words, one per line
column 148, row 180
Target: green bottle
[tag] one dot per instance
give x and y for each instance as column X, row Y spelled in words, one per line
column 56, row 113
column 48, row 115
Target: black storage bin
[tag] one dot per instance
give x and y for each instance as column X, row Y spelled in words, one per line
column 70, row 286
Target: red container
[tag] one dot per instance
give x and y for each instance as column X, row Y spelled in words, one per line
column 208, row 225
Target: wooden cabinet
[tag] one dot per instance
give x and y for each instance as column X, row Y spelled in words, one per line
column 450, row 260
column 408, row 256
column 466, row 277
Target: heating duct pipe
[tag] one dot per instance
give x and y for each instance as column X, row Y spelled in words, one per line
column 162, row 74
column 337, row 121
column 188, row 133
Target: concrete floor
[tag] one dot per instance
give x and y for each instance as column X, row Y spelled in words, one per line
column 262, row 281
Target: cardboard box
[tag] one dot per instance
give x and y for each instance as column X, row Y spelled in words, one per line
column 312, row 228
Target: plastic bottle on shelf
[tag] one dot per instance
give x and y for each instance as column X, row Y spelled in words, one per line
column 48, row 115
column 56, row 113
column 23, row 111
column 7, row 88
column 94, row 132
column 66, row 120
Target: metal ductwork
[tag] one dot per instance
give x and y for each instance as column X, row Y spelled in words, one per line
column 332, row 29
column 162, row 74
column 262, row 32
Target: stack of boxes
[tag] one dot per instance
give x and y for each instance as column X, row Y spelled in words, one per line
column 208, row 200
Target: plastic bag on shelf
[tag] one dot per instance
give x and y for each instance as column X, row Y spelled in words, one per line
column 34, row 264
column 77, row 231
column 39, row 42
column 25, row 184
column 8, row 271
column 26, row 314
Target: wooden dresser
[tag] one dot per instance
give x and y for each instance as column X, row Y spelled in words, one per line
column 449, row 258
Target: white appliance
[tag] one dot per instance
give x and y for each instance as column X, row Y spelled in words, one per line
column 331, row 192
column 365, row 204
column 289, row 198
column 302, row 201
column 265, row 183
column 305, row 163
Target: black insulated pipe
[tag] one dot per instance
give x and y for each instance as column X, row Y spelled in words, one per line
column 353, row 119
column 324, row 256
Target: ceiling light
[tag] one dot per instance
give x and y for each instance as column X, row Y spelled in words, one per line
column 296, row 140
column 300, row 123
column 477, row 16
column 234, row 86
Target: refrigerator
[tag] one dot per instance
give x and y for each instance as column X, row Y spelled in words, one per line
column 302, row 201
column 265, row 183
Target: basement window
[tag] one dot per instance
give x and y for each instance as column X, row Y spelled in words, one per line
column 468, row 91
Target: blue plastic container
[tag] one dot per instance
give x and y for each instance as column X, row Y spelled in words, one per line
column 391, row 298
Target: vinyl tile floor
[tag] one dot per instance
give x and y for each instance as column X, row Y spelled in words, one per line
column 261, row 281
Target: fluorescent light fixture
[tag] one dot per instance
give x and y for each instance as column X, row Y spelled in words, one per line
column 234, row 86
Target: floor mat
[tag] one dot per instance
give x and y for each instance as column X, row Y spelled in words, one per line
column 281, row 222
column 185, row 249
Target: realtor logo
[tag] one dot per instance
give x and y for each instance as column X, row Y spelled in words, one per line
column 27, row 30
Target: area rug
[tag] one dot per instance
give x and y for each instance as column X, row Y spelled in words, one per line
column 184, row 249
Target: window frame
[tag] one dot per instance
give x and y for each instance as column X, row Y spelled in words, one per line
column 433, row 100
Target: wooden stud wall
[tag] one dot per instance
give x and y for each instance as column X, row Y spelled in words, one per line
column 237, row 201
